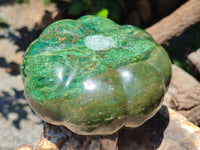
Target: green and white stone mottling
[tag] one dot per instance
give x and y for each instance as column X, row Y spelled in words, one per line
column 95, row 76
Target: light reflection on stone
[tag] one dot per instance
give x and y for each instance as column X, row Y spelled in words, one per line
column 71, row 76
column 90, row 84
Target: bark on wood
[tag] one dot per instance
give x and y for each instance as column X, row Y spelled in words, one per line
column 194, row 61
column 61, row 138
column 173, row 25
column 187, row 102
column 181, row 80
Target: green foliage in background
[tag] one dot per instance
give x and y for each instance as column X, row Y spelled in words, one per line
column 3, row 23
column 105, row 8
column 22, row 1
column 104, row 13
column 77, row 8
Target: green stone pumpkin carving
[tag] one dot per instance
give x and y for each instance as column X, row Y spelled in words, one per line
column 94, row 76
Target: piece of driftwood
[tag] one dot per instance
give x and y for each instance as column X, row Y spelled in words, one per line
column 59, row 137
column 194, row 61
column 181, row 81
column 174, row 24
column 187, row 102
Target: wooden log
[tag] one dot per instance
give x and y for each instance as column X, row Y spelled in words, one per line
column 181, row 80
column 174, row 24
column 61, row 138
column 187, row 102
column 194, row 61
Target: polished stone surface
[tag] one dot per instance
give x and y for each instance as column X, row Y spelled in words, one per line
column 95, row 76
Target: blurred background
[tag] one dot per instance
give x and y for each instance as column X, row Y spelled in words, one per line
column 22, row 21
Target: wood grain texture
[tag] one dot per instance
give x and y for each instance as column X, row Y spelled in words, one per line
column 194, row 61
column 174, row 24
